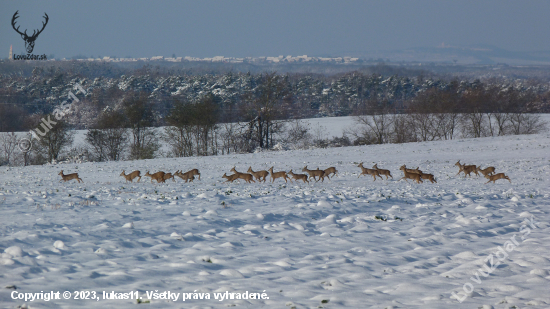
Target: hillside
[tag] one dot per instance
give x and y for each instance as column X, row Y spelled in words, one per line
column 344, row 242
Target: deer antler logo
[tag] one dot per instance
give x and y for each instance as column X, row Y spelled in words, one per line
column 29, row 40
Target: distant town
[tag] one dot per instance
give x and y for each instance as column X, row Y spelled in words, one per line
column 221, row 59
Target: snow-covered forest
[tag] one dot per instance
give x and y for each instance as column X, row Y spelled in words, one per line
column 236, row 112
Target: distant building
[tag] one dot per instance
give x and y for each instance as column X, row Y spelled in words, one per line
column 11, row 53
column 262, row 59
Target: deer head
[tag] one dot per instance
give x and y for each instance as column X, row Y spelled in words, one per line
column 29, row 40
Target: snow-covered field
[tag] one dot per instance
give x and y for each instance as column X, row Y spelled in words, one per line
column 316, row 245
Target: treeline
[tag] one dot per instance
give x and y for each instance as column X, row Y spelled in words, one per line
column 444, row 114
column 132, row 117
column 311, row 95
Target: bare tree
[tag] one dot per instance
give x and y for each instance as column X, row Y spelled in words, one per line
column 523, row 123
column 401, row 131
column 139, row 115
column 265, row 104
column 109, row 138
column 205, row 120
column 298, row 133
column 192, row 127
column 232, row 136
column 54, row 141
column 8, row 144
column 474, row 118
column 179, row 134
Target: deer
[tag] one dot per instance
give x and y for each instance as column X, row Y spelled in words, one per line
column 185, row 176
column 246, row 177
column 315, row 173
column 68, row 177
column 131, row 176
column 413, row 176
column 230, row 177
column 467, row 169
column 258, row 174
column 487, row 171
column 330, row 170
column 29, row 40
column 429, row 177
column 368, row 171
column 194, row 172
column 297, row 177
column 158, row 176
column 277, row 175
column 168, row 176
column 409, row 170
column 382, row 171
column 496, row 177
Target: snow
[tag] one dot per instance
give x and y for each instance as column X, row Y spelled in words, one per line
column 345, row 242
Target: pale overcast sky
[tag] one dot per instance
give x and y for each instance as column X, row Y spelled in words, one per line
column 239, row 28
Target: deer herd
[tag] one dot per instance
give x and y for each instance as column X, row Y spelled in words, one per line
column 317, row 174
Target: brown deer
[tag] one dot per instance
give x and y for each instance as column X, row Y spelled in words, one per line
column 330, row 170
column 429, row 177
column 131, row 176
column 315, row 173
column 488, row 171
column 168, row 176
column 158, row 176
column 259, row 174
column 467, row 169
column 496, row 177
column 413, row 176
column 194, row 172
column 382, row 171
column 277, row 175
column 230, row 177
column 246, row 177
column 368, row 171
column 69, row 177
column 410, row 170
column 297, row 177
column 188, row 177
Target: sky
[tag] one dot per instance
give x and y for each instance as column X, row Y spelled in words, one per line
column 239, row 28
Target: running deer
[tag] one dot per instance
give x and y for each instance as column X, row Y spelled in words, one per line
column 315, row 173
column 496, row 177
column 259, row 174
column 188, row 177
column 382, row 171
column 488, row 171
column 158, row 176
column 410, row 170
column 413, row 176
column 429, row 177
column 368, row 171
column 194, row 172
column 277, row 175
column 230, row 177
column 246, row 177
column 131, row 176
column 297, row 177
column 168, row 176
column 69, row 177
column 330, row 170
column 467, row 169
